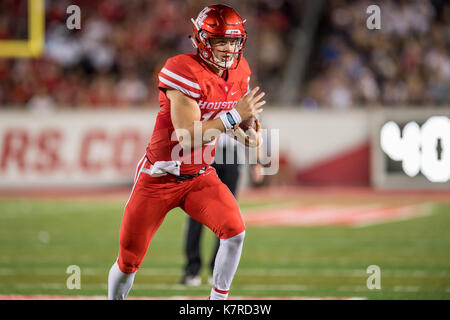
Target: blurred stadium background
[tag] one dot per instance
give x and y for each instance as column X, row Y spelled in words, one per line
column 364, row 147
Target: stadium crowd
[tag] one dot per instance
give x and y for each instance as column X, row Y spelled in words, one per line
column 405, row 63
column 113, row 60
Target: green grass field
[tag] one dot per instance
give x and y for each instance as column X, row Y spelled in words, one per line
column 40, row 238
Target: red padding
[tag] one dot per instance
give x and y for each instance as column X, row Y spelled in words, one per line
column 350, row 168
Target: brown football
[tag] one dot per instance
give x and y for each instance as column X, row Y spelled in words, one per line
column 248, row 123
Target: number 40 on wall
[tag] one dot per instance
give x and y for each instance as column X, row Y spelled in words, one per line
column 423, row 149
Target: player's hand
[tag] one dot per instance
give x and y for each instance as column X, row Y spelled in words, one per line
column 250, row 105
column 254, row 136
column 251, row 137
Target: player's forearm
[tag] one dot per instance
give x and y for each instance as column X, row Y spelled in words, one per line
column 200, row 132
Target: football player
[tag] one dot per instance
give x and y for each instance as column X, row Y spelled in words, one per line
column 210, row 88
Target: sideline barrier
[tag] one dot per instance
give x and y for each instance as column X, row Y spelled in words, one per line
column 101, row 148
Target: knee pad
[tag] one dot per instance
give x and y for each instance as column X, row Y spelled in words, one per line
column 127, row 267
column 237, row 239
column 231, row 228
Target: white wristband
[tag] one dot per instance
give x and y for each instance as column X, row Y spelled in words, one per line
column 230, row 119
column 236, row 115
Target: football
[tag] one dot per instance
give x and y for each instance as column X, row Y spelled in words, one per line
column 248, row 123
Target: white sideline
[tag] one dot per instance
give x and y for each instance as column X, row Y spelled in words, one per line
column 278, row 272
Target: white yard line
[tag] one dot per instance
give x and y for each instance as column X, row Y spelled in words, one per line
column 423, row 210
column 353, row 288
column 406, row 288
column 286, row 288
column 277, row 272
column 54, row 297
column 162, row 286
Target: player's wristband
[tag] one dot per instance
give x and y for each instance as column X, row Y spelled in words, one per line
column 230, row 119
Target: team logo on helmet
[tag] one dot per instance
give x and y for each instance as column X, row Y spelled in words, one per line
column 202, row 16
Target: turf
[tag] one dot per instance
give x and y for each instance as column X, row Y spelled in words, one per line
column 39, row 239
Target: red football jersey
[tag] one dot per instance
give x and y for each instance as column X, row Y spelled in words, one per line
column 189, row 74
